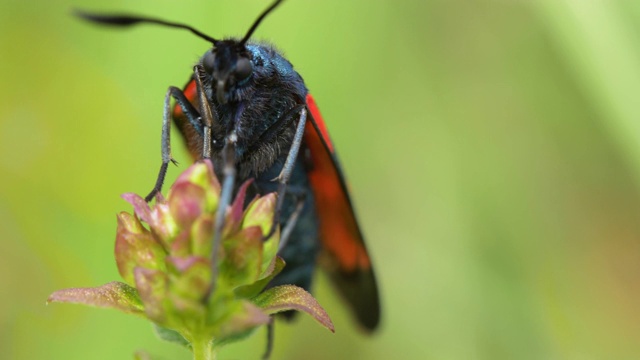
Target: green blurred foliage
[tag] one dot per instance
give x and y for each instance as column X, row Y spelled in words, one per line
column 493, row 149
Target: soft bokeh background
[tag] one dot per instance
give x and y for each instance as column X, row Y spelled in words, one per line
column 493, row 148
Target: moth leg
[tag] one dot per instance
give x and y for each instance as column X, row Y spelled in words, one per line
column 291, row 223
column 166, row 148
column 207, row 120
column 201, row 123
column 193, row 116
column 270, row 338
column 229, row 177
column 287, row 169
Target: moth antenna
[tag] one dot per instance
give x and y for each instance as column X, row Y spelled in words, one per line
column 128, row 20
column 258, row 20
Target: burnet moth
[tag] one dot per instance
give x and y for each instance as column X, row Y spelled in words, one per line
column 247, row 109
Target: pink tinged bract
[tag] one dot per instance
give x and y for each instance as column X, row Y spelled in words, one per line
column 114, row 295
column 290, row 297
column 136, row 246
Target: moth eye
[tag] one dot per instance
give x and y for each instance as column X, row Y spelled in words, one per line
column 243, row 68
column 208, row 60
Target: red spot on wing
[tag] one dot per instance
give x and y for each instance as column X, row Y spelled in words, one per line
column 339, row 230
column 191, row 93
column 315, row 112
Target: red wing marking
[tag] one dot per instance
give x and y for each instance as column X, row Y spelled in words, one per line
column 339, row 230
column 315, row 113
column 190, row 93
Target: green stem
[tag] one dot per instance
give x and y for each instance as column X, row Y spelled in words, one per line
column 203, row 350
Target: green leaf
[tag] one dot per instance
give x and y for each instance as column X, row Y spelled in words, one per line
column 192, row 276
column 251, row 290
column 243, row 257
column 152, row 287
column 202, row 175
column 162, row 223
column 114, row 295
column 181, row 245
column 260, row 213
column 235, row 212
column 170, row 335
column 187, row 202
column 269, row 251
column 246, row 318
column 220, row 342
column 202, row 235
column 290, row 297
column 136, row 246
column 221, row 305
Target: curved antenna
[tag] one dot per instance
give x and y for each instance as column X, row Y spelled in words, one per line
column 257, row 22
column 126, row 20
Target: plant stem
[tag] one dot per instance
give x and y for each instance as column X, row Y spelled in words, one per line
column 203, row 350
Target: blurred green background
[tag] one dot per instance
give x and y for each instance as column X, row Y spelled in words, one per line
column 493, row 149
